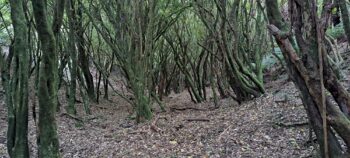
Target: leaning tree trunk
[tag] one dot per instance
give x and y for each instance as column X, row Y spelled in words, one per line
column 227, row 34
column 306, row 71
column 16, row 87
column 83, row 56
column 345, row 17
column 47, row 88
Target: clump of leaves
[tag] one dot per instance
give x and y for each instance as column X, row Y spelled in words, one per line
column 336, row 32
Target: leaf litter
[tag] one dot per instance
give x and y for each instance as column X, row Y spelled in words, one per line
column 272, row 126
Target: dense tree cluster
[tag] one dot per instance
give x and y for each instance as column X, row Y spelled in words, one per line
column 160, row 46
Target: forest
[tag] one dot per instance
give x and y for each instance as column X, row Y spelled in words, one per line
column 174, row 78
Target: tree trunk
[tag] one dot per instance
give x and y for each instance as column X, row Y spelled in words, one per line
column 304, row 71
column 345, row 17
column 47, row 89
column 17, row 87
column 83, row 57
column 73, row 56
column 56, row 28
column 105, row 88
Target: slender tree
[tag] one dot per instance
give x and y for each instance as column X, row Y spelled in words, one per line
column 132, row 41
column 73, row 56
column 345, row 17
column 83, row 56
column 17, row 86
column 47, row 88
column 235, row 34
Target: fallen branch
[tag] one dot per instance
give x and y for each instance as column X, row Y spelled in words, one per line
column 281, row 124
column 186, row 108
column 197, row 119
column 101, row 107
column 90, row 118
column 72, row 117
column 153, row 126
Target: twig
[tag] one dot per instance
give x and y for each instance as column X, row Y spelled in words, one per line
column 72, row 116
column 154, row 126
column 186, row 108
column 224, row 132
column 101, row 107
column 90, row 118
column 197, row 119
column 298, row 124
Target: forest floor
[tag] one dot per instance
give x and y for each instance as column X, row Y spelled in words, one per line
column 257, row 128
column 274, row 125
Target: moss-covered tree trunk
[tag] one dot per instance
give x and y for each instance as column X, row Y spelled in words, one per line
column 56, row 28
column 345, row 17
column 83, row 56
column 73, row 56
column 16, row 87
column 47, row 88
column 141, row 56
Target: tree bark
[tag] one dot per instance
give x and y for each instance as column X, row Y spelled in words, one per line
column 303, row 71
column 73, row 56
column 17, row 87
column 83, row 57
column 47, row 88
column 345, row 17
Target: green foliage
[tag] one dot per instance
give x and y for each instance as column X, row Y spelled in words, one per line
column 6, row 30
column 336, row 32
